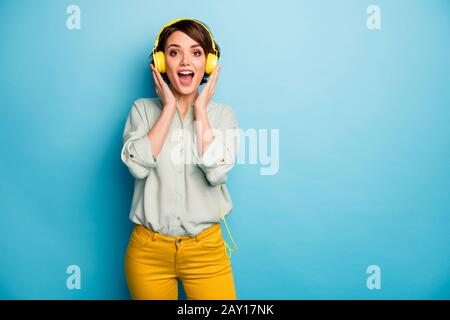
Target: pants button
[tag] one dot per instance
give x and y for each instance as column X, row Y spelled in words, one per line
column 179, row 241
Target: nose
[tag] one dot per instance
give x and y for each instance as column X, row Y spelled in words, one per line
column 185, row 60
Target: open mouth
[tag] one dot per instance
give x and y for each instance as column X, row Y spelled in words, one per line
column 186, row 77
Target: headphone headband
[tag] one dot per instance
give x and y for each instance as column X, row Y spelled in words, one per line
column 175, row 21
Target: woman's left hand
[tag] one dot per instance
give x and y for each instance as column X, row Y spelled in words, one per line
column 207, row 91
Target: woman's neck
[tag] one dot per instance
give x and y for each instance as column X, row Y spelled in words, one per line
column 185, row 101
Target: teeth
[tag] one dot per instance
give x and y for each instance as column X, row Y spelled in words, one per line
column 186, row 72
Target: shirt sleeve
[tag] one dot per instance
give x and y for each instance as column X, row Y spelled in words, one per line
column 137, row 149
column 220, row 155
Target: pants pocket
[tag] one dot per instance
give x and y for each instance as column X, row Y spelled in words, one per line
column 214, row 245
column 139, row 237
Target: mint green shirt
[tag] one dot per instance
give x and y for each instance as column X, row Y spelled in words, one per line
column 178, row 192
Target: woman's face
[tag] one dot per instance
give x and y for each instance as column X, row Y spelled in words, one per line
column 185, row 62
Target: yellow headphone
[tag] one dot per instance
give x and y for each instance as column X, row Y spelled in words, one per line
column 158, row 56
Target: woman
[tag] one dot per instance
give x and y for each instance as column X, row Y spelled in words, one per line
column 180, row 148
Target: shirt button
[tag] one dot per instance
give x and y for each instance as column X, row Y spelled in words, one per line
column 178, row 218
column 131, row 155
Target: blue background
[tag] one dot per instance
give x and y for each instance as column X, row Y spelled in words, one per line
column 364, row 144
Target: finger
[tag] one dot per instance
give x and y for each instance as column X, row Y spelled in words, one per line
column 154, row 77
column 214, row 74
column 158, row 80
column 214, row 77
column 157, row 85
column 161, row 80
column 153, row 73
column 210, row 79
column 157, row 77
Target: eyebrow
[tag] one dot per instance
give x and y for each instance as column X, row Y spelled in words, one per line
column 177, row 45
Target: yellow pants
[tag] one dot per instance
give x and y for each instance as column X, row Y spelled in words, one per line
column 154, row 261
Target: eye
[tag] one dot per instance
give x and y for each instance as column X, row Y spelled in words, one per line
column 172, row 51
column 197, row 53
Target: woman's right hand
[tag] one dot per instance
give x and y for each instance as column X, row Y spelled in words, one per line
column 162, row 89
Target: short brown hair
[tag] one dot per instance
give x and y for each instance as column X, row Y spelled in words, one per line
column 193, row 30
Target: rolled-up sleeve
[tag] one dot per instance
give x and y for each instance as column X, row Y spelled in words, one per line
column 220, row 155
column 136, row 152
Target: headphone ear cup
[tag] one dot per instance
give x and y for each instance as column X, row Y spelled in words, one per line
column 160, row 62
column 211, row 63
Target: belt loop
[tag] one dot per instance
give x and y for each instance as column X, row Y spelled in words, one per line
column 196, row 238
column 154, row 236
